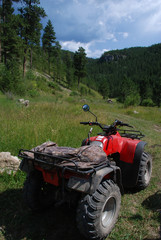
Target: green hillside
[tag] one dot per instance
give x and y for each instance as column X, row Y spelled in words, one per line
column 132, row 74
column 29, row 53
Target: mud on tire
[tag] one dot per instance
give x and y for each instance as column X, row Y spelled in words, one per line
column 98, row 213
column 145, row 171
column 37, row 194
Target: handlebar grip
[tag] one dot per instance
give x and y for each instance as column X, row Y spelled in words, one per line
column 120, row 123
column 85, row 123
column 128, row 125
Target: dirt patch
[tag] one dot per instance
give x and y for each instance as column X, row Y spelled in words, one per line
column 155, row 145
column 157, row 128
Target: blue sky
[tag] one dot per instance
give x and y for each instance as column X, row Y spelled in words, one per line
column 103, row 25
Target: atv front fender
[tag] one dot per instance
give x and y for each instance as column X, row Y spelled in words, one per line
column 130, row 170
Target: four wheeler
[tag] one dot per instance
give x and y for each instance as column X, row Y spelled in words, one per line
column 93, row 175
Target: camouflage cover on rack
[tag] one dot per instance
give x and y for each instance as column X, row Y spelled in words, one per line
column 84, row 157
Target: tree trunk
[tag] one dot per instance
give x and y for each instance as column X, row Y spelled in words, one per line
column 0, row 46
column 31, row 58
column 24, row 62
column 0, row 33
column 78, row 82
column 49, row 66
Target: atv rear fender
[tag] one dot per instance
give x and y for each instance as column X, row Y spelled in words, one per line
column 90, row 185
column 112, row 172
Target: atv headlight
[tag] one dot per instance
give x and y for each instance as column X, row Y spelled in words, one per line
column 97, row 143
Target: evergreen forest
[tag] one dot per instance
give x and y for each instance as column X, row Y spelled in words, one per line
column 32, row 61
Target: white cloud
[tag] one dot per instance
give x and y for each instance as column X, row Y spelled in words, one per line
column 98, row 21
column 85, row 21
column 115, row 40
column 73, row 46
column 99, row 24
column 152, row 23
column 114, row 12
column 119, row 9
column 124, row 34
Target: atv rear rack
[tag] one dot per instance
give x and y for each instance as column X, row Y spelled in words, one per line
column 36, row 161
column 131, row 134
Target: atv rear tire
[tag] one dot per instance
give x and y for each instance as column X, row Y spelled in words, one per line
column 145, row 171
column 37, row 194
column 98, row 213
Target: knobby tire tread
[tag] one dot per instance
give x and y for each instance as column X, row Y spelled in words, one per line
column 90, row 207
column 141, row 184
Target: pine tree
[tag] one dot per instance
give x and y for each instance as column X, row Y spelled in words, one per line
column 10, row 40
column 157, row 91
column 31, row 28
column 10, row 46
column 127, row 88
column 48, row 40
column 80, row 64
column 1, row 31
column 104, row 88
column 56, row 60
column 68, row 63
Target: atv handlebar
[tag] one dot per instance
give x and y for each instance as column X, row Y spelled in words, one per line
column 90, row 123
column 85, row 123
column 108, row 129
column 120, row 123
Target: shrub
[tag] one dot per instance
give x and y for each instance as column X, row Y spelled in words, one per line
column 42, row 84
column 92, row 93
column 132, row 100
column 54, row 86
column 10, row 79
column 147, row 102
column 33, row 93
column 83, row 90
column 30, row 75
column 9, row 95
column 73, row 93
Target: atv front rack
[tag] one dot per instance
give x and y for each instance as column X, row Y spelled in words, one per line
column 131, row 134
column 57, row 162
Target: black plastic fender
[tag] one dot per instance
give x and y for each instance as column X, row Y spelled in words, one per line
column 90, row 185
column 26, row 166
column 103, row 173
column 130, row 171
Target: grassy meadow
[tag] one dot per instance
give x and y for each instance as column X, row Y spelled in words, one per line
column 57, row 119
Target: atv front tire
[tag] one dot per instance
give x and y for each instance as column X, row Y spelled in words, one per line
column 37, row 194
column 98, row 213
column 145, row 171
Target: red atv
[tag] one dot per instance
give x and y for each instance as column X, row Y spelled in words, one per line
column 93, row 175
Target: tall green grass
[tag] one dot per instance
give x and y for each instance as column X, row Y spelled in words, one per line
column 58, row 120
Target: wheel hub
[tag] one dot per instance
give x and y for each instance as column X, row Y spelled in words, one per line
column 147, row 172
column 108, row 212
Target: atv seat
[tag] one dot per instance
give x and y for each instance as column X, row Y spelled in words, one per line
column 84, row 157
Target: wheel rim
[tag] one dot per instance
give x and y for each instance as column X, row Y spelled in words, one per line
column 108, row 212
column 147, row 172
